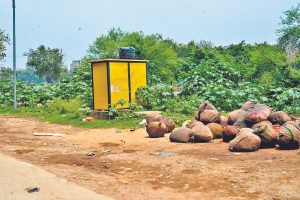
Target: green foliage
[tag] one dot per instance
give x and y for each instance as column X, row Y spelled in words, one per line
column 180, row 76
column 153, row 47
column 4, row 40
column 289, row 33
column 73, row 119
column 64, row 106
column 266, row 64
column 6, row 73
column 154, row 97
column 31, row 94
column 46, row 62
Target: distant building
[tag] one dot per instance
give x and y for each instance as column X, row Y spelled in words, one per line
column 74, row 65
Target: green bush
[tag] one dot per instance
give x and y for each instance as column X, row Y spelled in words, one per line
column 65, row 105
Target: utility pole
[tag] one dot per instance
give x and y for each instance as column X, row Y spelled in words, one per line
column 14, row 55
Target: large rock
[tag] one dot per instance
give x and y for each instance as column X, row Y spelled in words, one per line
column 181, row 135
column 203, row 106
column 210, row 116
column 267, row 134
column 229, row 133
column 294, row 123
column 288, row 137
column 201, row 133
column 240, row 124
column 193, row 123
column 245, row 142
column 206, row 106
column 216, row 129
column 261, row 123
column 249, row 105
column 169, row 123
column 279, row 117
column 224, row 120
column 235, row 116
column 257, row 114
column 156, row 129
column 153, row 117
column 245, row 130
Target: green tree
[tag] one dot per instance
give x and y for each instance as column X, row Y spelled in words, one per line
column 4, row 40
column 163, row 59
column 47, row 63
column 266, row 63
column 5, row 73
column 289, row 33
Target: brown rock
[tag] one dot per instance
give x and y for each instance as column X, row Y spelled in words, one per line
column 229, row 133
column 236, row 115
column 245, row 142
column 216, row 129
column 181, row 135
column 288, row 137
column 153, row 117
column 156, row 129
column 224, row 120
column 169, row 123
column 201, row 133
column 210, row 116
column 249, row 105
column 266, row 133
column 193, row 123
column 279, row 117
column 257, row 114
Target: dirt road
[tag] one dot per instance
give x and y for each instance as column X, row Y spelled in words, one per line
column 17, row 177
column 124, row 166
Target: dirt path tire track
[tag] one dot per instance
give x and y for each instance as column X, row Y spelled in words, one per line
column 124, row 167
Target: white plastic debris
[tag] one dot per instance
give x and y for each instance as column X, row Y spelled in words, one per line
column 48, row 134
column 144, row 122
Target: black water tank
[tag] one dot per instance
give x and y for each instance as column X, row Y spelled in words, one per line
column 126, row 53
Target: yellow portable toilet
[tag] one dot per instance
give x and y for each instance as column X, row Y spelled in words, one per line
column 115, row 80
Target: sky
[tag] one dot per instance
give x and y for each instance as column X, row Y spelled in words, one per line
column 73, row 25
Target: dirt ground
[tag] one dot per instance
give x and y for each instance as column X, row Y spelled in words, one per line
column 124, row 166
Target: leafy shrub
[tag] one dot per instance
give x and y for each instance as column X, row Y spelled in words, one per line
column 65, row 106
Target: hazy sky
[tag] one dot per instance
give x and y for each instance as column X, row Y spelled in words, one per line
column 74, row 24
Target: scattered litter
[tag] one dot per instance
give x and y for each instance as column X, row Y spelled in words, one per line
column 105, row 151
column 91, row 154
column 186, row 186
column 48, row 134
column 32, row 189
column 185, row 123
column 162, row 153
column 105, row 166
column 104, row 161
column 128, row 169
column 118, row 131
column 214, row 159
column 143, row 122
column 88, row 119
column 132, row 129
column 124, row 182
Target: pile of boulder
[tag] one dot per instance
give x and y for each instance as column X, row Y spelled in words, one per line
column 157, row 125
column 249, row 128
